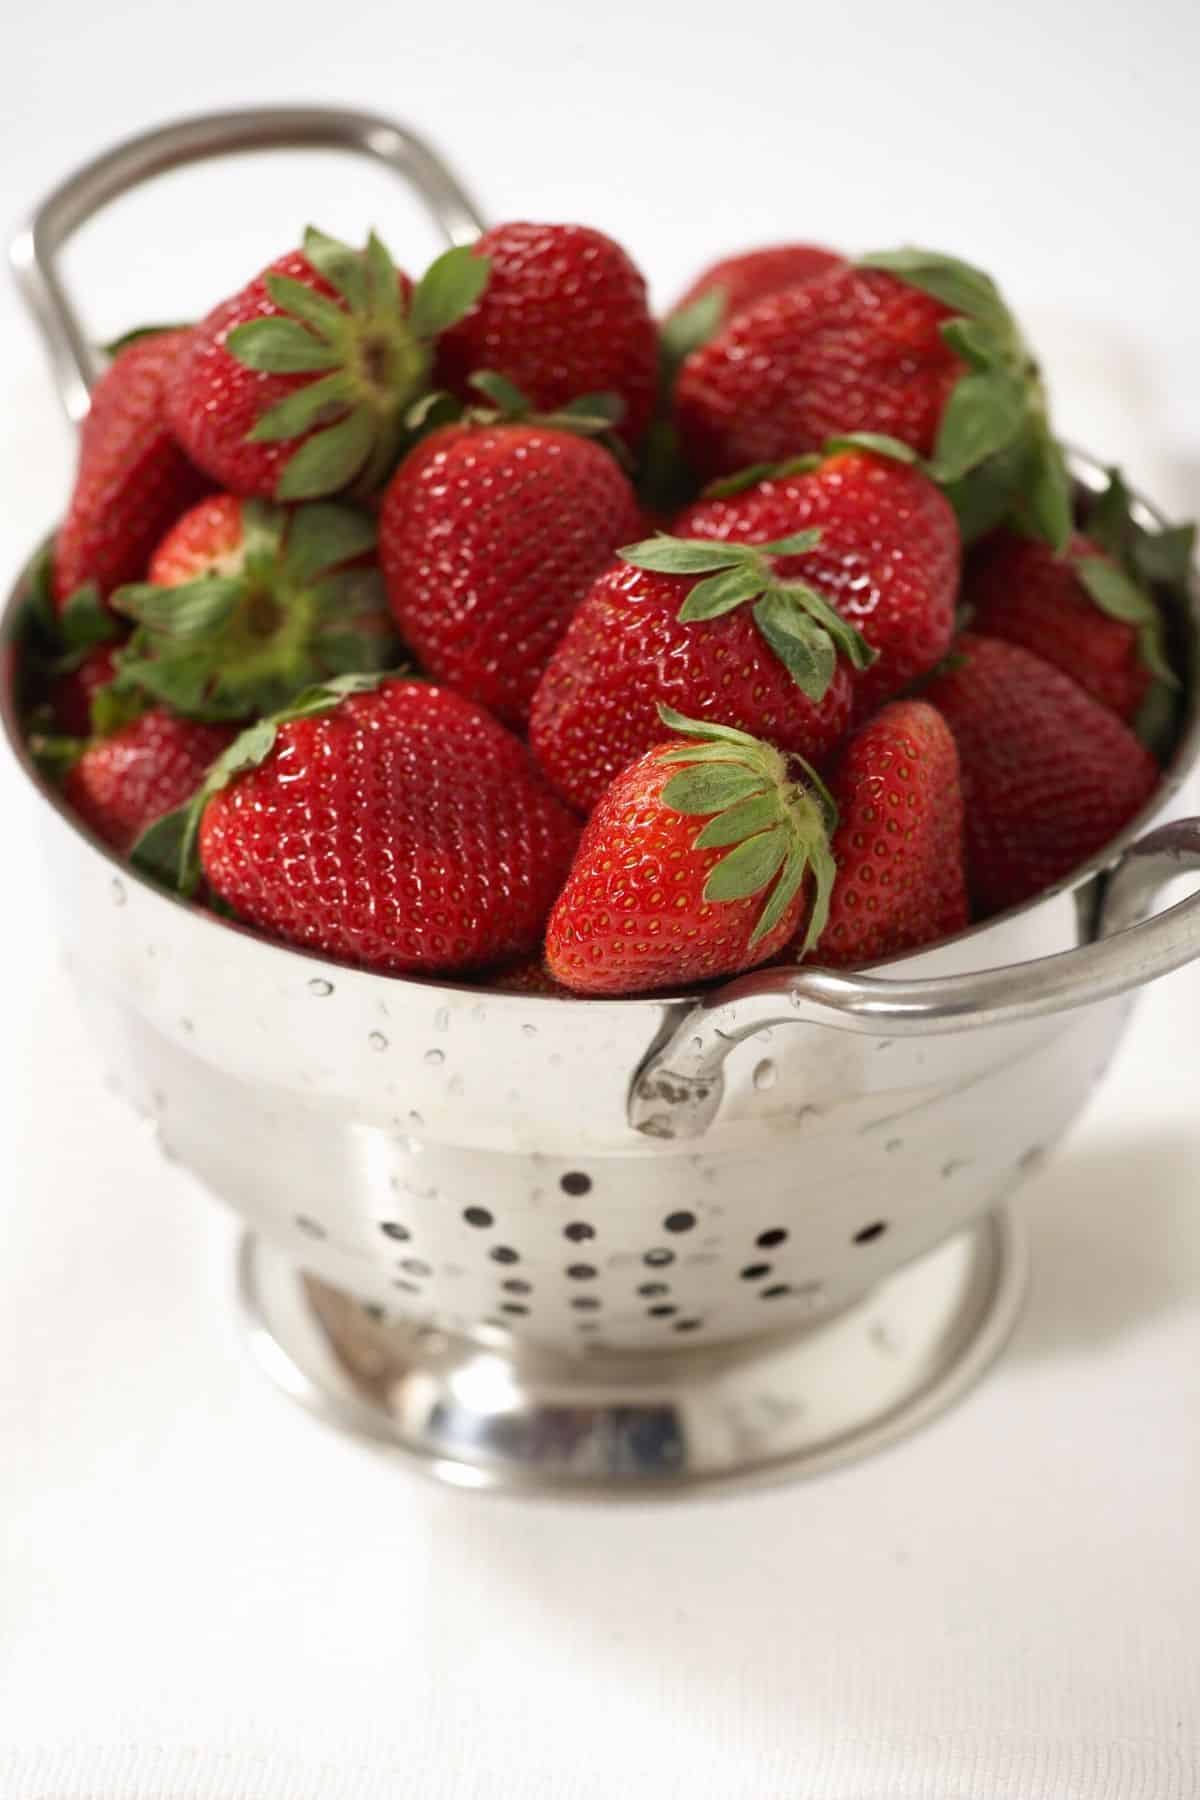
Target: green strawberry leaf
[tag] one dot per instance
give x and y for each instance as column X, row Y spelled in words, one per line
column 505, row 395
column 720, row 593
column 138, row 334
column 684, row 556
column 1049, row 491
column 187, row 611
column 706, row 729
column 802, row 646
column 324, row 315
column 85, row 621
column 1157, row 718
column 433, row 409
column 343, row 268
column 323, row 535
column 1165, row 557
column 847, row 638
column 728, row 486
column 383, row 280
column 987, row 495
column 958, row 285
column 304, row 409
column 1120, row 597
column 878, row 442
column 798, row 544
column 688, row 328
column 449, row 288
column 740, row 818
column 116, row 705
column 331, row 459
column 824, row 873
column 977, row 343
column 281, row 347
column 748, row 867
column 605, row 408
column 710, row 787
column 984, row 414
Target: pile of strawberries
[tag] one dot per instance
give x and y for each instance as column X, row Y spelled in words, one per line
column 483, row 624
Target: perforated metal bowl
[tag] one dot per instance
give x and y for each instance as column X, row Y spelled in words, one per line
column 618, row 1247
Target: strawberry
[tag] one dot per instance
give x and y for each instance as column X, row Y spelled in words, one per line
column 298, row 386
column 73, row 693
column 249, row 603
column 743, row 646
column 530, row 976
column 564, row 314
column 122, row 784
column 489, row 536
column 907, row 344
column 888, row 556
column 655, row 899
column 898, row 847
column 1049, row 775
column 1080, row 612
column 737, row 282
column 133, row 478
column 387, row 822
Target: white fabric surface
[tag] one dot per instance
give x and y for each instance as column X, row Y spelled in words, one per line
column 207, row 1595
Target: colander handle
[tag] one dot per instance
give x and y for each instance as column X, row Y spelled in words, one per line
column 677, row 1091
column 34, row 251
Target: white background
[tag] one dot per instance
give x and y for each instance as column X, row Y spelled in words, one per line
column 204, row 1594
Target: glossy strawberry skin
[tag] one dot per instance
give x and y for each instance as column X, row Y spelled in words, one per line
column 214, row 401
column 122, row 783
column 854, row 350
column 1020, row 591
column 564, row 314
column 1049, row 775
column 71, row 695
column 889, row 557
column 208, row 539
column 489, row 536
column 899, row 847
column 404, row 830
column 625, row 651
column 133, row 478
column 631, row 917
column 752, row 275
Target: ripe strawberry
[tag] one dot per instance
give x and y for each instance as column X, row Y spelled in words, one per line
column 133, row 478
column 898, row 847
column 72, row 693
column 888, row 557
column 743, row 646
column 395, row 825
column 249, row 603
column 1080, row 612
column 564, row 314
column 123, row 783
column 739, row 281
column 653, row 902
column 1049, row 776
column 298, row 385
column 489, row 536
column 907, row 344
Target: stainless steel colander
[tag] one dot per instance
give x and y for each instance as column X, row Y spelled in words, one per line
column 625, row 1246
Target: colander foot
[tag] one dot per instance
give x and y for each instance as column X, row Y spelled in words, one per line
column 521, row 1418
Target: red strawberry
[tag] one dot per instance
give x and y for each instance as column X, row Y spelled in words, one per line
column 249, row 603
column 71, row 695
column 908, row 344
column 888, row 558
column 564, row 314
column 133, row 478
column 298, row 385
column 489, row 536
column 1049, row 776
column 399, row 827
column 855, row 350
column 898, row 847
column 739, row 281
column 743, row 646
column 1058, row 608
column 123, row 783
column 655, row 899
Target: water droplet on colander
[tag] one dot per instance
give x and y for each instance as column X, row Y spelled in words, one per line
column 441, row 1019
column 435, row 1058
column 118, row 891
column 765, row 1074
column 529, row 1031
column 414, row 1118
column 320, row 987
column 377, row 1040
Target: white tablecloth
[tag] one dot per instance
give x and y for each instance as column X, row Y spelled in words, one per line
column 206, row 1594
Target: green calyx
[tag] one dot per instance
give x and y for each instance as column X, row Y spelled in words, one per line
column 777, row 830
column 369, row 352
column 167, row 851
column 501, row 402
column 878, row 443
column 995, row 455
column 280, row 614
column 799, row 625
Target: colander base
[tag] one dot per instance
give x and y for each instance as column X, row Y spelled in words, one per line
column 526, row 1419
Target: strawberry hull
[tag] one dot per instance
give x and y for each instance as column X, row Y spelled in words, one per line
column 620, row 1246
